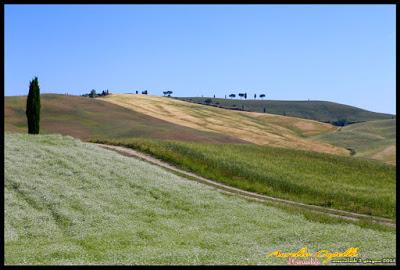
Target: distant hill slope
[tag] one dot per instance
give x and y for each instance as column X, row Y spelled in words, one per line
column 85, row 118
column 323, row 111
column 258, row 128
column 372, row 139
column 68, row 202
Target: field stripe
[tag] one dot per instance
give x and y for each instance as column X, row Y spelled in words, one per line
column 246, row 194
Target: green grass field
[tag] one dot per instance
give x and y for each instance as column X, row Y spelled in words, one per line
column 344, row 183
column 323, row 111
column 68, row 202
column 85, row 118
column 372, row 139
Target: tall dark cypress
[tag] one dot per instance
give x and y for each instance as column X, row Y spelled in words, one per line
column 33, row 107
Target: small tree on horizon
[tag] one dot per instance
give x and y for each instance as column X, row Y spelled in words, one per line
column 167, row 93
column 33, row 107
column 92, row 93
column 208, row 100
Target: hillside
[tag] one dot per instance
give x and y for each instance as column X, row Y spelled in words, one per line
column 141, row 116
column 343, row 183
column 372, row 139
column 86, row 118
column 87, row 205
column 258, row 128
column 323, row 111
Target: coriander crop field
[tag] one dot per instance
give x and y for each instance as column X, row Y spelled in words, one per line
column 68, row 202
column 344, row 183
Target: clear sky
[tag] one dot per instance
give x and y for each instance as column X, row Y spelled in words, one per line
column 341, row 53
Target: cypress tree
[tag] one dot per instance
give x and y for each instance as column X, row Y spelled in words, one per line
column 33, row 107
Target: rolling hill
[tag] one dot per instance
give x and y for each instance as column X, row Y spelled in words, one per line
column 257, row 128
column 126, row 116
column 68, row 202
column 87, row 118
column 372, row 139
column 323, row 111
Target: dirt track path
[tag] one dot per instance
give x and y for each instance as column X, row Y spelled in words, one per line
column 246, row 194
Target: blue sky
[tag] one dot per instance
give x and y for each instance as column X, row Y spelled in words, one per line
column 341, row 53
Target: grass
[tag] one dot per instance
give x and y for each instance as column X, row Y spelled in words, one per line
column 372, row 139
column 68, row 202
column 323, row 111
column 85, row 118
column 262, row 129
column 344, row 183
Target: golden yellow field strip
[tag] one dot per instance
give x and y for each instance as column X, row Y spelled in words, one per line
column 387, row 154
column 258, row 128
